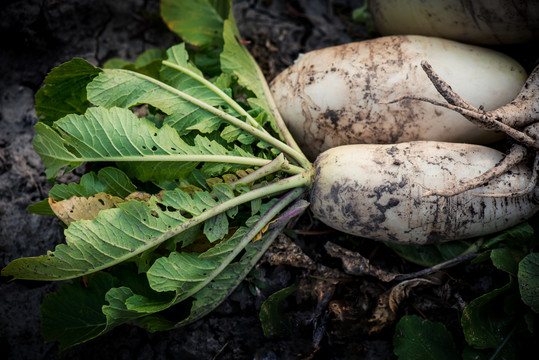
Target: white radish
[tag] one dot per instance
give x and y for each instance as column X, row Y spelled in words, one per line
column 338, row 95
column 378, row 192
column 478, row 21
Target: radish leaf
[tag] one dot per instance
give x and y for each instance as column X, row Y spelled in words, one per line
column 198, row 22
column 65, row 90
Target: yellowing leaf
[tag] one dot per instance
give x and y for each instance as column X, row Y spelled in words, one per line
column 229, row 178
column 80, row 208
column 140, row 196
column 264, row 229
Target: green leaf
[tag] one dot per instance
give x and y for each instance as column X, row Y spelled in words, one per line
column 220, row 287
column 199, row 22
column 117, row 135
column 432, row 254
column 528, row 280
column 149, row 62
column 64, row 91
column 272, row 317
column 117, row 235
column 186, row 273
column 506, row 259
column 41, row 208
column 484, row 322
column 420, row 339
column 73, row 314
column 122, row 88
column 115, row 63
column 110, row 180
column 78, row 312
column 198, row 118
column 514, row 237
column 236, row 60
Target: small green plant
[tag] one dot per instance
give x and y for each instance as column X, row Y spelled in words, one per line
column 177, row 204
column 496, row 325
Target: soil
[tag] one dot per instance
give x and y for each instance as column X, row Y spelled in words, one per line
column 329, row 318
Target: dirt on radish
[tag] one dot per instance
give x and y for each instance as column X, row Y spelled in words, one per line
column 340, row 95
column 378, row 192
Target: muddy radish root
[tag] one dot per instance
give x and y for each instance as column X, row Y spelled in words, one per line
column 335, row 96
column 377, row 192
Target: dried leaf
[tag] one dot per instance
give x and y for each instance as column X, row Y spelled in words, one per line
column 142, row 196
column 285, row 252
column 80, row 208
column 355, row 264
column 388, row 303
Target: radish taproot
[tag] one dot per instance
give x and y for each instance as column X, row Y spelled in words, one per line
column 335, row 96
column 479, row 21
column 519, row 119
column 378, row 192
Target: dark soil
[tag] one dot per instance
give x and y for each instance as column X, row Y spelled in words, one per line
column 329, row 318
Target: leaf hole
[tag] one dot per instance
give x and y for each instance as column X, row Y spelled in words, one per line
column 154, row 148
column 173, row 149
column 161, row 206
column 101, row 201
column 154, row 134
column 144, row 147
column 154, row 214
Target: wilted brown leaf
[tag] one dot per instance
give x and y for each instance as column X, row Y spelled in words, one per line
column 354, row 263
column 388, row 303
column 80, row 208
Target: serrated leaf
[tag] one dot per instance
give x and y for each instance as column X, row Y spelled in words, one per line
column 420, row 339
column 231, row 133
column 51, row 148
column 179, row 270
column 122, row 88
column 220, row 287
column 187, row 273
column 117, row 235
column 236, row 60
column 89, row 185
column 528, row 280
column 142, row 150
column 64, row 91
column 197, row 119
column 149, row 62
